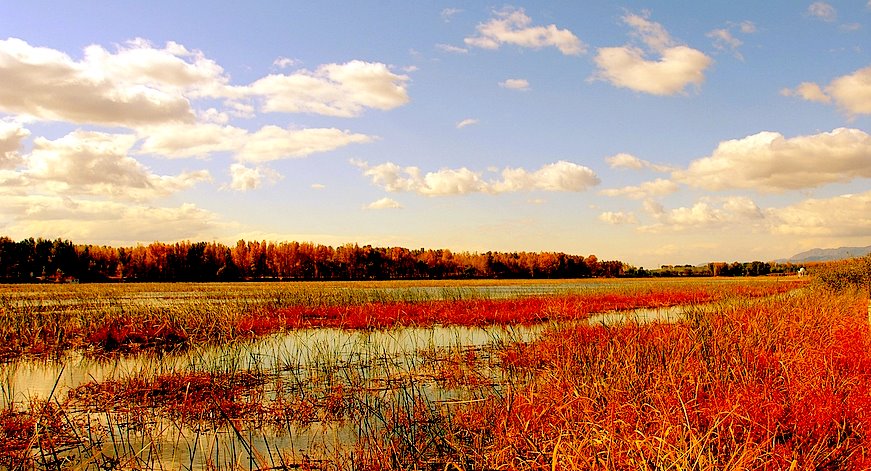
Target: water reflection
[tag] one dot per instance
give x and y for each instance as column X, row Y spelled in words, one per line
column 29, row 379
column 639, row 316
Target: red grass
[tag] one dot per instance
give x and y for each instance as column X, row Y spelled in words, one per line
column 127, row 335
column 22, row 433
column 770, row 385
column 191, row 397
column 481, row 312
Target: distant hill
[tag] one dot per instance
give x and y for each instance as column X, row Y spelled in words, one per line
column 825, row 255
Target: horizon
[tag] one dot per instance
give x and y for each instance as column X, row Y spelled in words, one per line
column 665, row 135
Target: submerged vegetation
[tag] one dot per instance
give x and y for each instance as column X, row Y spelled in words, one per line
column 753, row 374
column 101, row 318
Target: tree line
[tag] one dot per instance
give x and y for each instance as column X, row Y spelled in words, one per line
column 33, row 260
column 62, row 260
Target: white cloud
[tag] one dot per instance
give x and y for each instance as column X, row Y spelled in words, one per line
column 139, row 85
column 452, row 49
column 12, row 134
column 213, row 115
column 343, row 90
column 842, row 216
column 627, row 66
column 808, row 91
column 649, row 32
column 558, row 176
column 318, row 186
column 268, row 143
column 466, row 122
column 618, row 218
column 384, row 203
column 274, row 143
column 87, row 162
column 190, row 140
column 623, row 160
column 658, row 187
column 246, row 178
column 104, row 222
column 747, row 27
column 707, row 214
column 284, row 62
column 769, row 162
column 515, row 84
column 513, row 26
column 851, row 92
column 136, row 85
column 822, row 11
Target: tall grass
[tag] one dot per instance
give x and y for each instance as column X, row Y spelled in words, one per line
column 50, row 319
column 781, row 383
column 763, row 378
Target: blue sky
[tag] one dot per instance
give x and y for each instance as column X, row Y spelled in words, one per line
column 653, row 133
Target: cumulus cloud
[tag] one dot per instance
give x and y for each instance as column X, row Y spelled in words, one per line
column 190, row 140
column 658, row 187
column 770, row 162
column 822, row 11
column 513, row 26
column 342, row 90
column 267, row 143
column 384, row 203
column 558, row 176
column 466, row 122
column 136, row 85
column 246, row 178
column 706, row 214
column 623, row 160
column 841, row 216
column 95, row 163
column 515, row 84
column 274, row 143
column 12, row 134
column 627, row 66
column 851, row 92
column 618, row 218
column 104, row 222
column 808, row 91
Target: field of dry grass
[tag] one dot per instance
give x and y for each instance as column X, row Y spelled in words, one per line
column 761, row 374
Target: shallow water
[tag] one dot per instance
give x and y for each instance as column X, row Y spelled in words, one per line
column 639, row 316
column 385, row 365
column 25, row 380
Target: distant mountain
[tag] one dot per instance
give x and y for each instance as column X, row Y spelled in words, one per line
column 825, row 255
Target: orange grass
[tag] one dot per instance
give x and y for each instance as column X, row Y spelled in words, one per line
column 771, row 384
column 109, row 328
column 482, row 312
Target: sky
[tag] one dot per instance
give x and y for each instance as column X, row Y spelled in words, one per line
column 647, row 132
